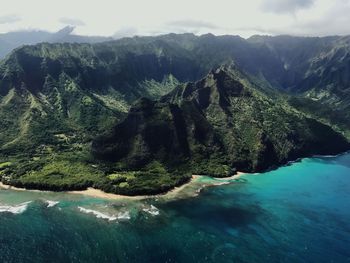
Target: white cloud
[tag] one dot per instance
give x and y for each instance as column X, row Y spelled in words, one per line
column 285, row 6
column 71, row 21
column 125, row 32
column 127, row 18
column 9, row 19
column 189, row 23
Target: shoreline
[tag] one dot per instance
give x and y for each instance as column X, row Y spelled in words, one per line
column 233, row 177
column 97, row 193
column 10, row 187
column 93, row 192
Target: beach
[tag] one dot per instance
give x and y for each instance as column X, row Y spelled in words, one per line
column 194, row 185
column 92, row 192
column 10, row 187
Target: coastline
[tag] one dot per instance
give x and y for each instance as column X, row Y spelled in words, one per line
column 10, row 187
column 96, row 193
column 93, row 192
column 233, row 177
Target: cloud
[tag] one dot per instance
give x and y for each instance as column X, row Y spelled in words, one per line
column 333, row 21
column 261, row 30
column 9, row 19
column 285, row 6
column 193, row 24
column 125, row 32
column 72, row 21
column 296, row 17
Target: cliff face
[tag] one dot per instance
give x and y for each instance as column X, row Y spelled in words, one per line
column 216, row 125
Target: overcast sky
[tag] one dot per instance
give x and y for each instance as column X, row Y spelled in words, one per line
column 150, row 17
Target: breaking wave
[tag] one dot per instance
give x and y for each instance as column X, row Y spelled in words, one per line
column 152, row 210
column 16, row 209
column 119, row 216
column 51, row 203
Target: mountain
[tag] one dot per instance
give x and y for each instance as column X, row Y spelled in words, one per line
column 12, row 40
column 55, row 98
column 216, row 126
column 317, row 70
column 77, row 88
column 312, row 67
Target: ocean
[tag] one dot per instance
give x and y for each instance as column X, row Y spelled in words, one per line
column 297, row 213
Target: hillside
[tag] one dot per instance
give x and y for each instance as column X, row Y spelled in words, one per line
column 55, row 98
column 310, row 67
column 315, row 68
column 71, row 89
column 216, row 126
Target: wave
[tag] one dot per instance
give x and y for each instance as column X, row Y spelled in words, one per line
column 51, row 203
column 123, row 215
column 152, row 210
column 16, row 209
column 120, row 216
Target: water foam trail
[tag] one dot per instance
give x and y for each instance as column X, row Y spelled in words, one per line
column 152, row 210
column 16, row 209
column 51, row 203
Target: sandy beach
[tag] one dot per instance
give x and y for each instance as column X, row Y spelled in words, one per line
column 92, row 192
column 233, row 177
column 10, row 187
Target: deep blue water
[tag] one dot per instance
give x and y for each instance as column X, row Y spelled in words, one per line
column 298, row 213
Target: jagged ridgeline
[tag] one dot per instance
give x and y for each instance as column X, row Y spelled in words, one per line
column 216, row 126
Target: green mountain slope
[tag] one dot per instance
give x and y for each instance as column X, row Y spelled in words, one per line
column 316, row 68
column 55, row 98
column 52, row 89
column 215, row 126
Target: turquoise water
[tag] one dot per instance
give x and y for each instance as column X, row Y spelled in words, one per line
column 298, row 213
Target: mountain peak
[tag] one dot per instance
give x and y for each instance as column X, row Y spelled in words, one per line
column 220, row 83
column 67, row 30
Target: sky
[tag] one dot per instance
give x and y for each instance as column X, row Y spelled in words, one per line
column 120, row 18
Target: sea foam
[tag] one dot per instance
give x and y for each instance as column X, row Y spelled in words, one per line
column 51, row 203
column 152, row 210
column 120, row 216
column 16, row 209
column 123, row 215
